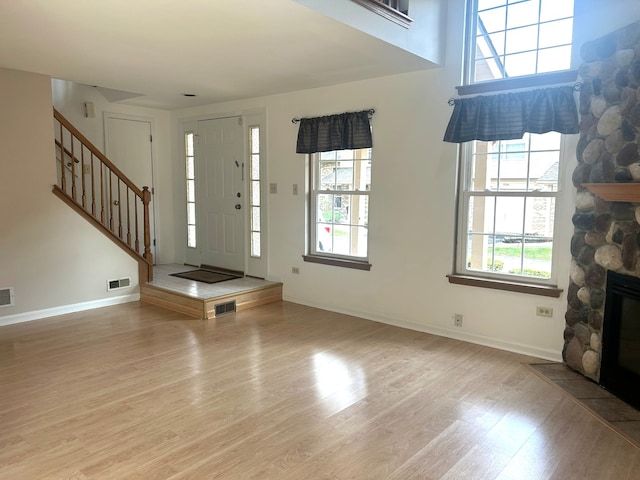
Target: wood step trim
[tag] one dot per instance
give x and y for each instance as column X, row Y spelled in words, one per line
column 205, row 308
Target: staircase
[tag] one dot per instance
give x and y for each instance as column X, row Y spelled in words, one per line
column 95, row 188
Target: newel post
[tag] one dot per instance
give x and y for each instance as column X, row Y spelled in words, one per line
column 146, row 199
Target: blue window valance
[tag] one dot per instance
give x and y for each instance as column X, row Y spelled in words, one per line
column 344, row 131
column 508, row 116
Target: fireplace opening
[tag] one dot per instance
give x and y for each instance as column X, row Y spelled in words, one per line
column 620, row 368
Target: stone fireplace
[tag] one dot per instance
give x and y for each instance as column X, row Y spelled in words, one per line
column 606, row 223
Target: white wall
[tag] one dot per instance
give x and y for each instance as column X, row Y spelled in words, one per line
column 55, row 261
column 422, row 38
column 412, row 213
column 412, row 205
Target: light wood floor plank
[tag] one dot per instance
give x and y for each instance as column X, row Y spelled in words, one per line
column 281, row 391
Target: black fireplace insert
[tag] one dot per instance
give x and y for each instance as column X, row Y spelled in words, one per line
column 620, row 366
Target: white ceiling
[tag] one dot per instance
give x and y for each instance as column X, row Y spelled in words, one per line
column 219, row 50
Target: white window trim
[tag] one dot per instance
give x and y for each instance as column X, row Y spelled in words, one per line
column 328, row 258
column 463, row 214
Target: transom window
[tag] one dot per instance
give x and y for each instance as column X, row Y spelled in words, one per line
column 512, row 38
column 339, row 203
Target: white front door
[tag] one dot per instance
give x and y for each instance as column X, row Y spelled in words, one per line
column 220, row 193
column 128, row 145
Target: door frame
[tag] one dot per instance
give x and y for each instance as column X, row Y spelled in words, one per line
column 255, row 267
column 153, row 213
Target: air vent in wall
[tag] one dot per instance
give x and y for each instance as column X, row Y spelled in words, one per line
column 226, row 307
column 120, row 283
column 6, row 297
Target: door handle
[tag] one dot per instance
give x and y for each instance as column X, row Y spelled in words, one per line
column 238, row 206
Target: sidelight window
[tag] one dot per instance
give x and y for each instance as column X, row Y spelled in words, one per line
column 191, row 189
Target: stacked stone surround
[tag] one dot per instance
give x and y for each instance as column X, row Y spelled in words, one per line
column 606, row 234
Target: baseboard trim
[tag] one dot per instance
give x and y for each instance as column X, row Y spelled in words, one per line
column 64, row 309
column 514, row 347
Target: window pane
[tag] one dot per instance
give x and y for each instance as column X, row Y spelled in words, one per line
column 328, row 155
column 518, row 29
column 191, row 236
column 325, row 208
column 255, row 193
column 191, row 191
column 553, row 59
column 543, row 175
column 509, row 216
column 498, row 42
column 481, row 215
column 341, row 240
column 522, row 39
column 191, row 213
column 324, row 238
column 547, row 141
column 520, row 64
column 328, row 175
column 492, row 20
column 189, row 144
column 539, row 219
column 345, row 154
column 255, row 167
column 255, row 244
column 255, row 219
column 190, row 168
column 255, row 140
column 481, row 169
column 523, row 13
column 489, row 69
column 554, row 9
column 480, row 232
column 556, row 33
column 344, row 176
column 485, row 4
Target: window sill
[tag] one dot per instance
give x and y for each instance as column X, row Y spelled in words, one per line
column 532, row 289
column 337, row 262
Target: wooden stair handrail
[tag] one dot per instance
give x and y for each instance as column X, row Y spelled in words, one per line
column 85, row 141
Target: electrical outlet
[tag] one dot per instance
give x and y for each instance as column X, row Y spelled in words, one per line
column 86, row 169
column 457, row 319
column 295, row 270
column 544, row 311
column 273, row 188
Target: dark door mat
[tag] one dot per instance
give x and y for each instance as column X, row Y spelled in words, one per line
column 605, row 406
column 205, row 276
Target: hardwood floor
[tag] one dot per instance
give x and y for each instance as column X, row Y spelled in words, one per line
column 281, row 391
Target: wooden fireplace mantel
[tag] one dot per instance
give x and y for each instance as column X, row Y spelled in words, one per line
column 615, row 192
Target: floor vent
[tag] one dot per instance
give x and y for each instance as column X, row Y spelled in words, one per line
column 226, row 307
column 120, row 283
column 6, row 297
